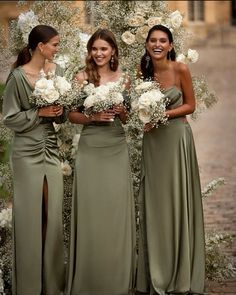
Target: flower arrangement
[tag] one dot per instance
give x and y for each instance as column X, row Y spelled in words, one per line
column 103, row 97
column 149, row 103
column 6, row 218
column 191, row 56
column 51, row 89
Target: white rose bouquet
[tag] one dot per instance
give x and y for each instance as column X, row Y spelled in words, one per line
column 51, row 89
column 103, row 97
column 149, row 103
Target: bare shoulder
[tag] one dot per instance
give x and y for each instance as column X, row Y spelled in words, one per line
column 80, row 77
column 181, row 68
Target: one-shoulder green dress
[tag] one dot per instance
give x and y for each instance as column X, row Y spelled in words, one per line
column 102, row 244
column 34, row 156
column 171, row 246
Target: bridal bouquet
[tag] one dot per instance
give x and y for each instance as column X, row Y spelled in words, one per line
column 149, row 103
column 51, row 89
column 103, row 97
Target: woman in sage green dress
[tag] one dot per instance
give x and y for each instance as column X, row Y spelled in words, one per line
column 102, row 244
column 171, row 249
column 38, row 266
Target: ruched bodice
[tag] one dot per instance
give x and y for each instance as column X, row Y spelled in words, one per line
column 34, row 157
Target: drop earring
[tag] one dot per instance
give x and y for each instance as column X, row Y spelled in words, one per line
column 147, row 58
column 112, row 62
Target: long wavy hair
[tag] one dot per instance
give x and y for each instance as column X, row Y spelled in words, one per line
column 147, row 69
column 40, row 33
column 91, row 67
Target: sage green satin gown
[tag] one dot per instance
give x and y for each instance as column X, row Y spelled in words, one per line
column 34, row 156
column 171, row 246
column 102, row 244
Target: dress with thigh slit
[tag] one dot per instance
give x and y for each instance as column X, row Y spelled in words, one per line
column 34, row 157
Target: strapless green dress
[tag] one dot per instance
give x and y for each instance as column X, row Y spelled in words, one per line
column 34, row 155
column 102, row 244
column 171, row 245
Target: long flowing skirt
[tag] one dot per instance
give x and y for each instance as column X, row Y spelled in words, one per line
column 171, row 252
column 102, row 246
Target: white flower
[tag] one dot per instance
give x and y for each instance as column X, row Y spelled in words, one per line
column 26, row 22
column 83, row 44
column 155, row 20
column 6, row 218
column 46, row 89
column 144, row 86
column 136, row 21
column 176, row 19
column 75, row 142
column 141, row 34
column 192, row 55
column 181, row 58
column 62, row 85
column 128, row 37
column 62, row 60
column 66, row 169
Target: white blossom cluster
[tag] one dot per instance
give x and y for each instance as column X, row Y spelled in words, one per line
column 6, row 218
column 26, row 22
column 191, row 56
column 66, row 168
column 104, row 96
column 149, row 102
column 51, row 90
column 143, row 25
column 212, row 186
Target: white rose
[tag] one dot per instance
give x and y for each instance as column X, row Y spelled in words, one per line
column 144, row 115
column 66, row 169
column 155, row 20
column 141, row 34
column 192, row 55
column 176, row 19
column 181, row 58
column 136, row 21
column 156, row 94
column 51, row 95
column 128, row 37
column 62, row 85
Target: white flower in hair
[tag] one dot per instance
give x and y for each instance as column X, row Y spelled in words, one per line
column 26, row 22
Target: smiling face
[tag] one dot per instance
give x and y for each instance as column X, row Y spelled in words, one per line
column 158, row 45
column 49, row 49
column 101, row 52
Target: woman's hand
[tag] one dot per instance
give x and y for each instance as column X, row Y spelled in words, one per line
column 50, row 111
column 148, row 127
column 119, row 109
column 105, row 116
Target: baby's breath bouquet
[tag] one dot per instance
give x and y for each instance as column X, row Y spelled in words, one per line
column 149, row 103
column 103, row 97
column 51, row 89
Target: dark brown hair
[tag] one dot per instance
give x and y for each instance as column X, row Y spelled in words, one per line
column 147, row 67
column 40, row 33
column 91, row 67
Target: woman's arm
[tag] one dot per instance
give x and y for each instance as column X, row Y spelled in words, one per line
column 186, row 85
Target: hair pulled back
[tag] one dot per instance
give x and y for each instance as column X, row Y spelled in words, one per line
column 40, row 33
column 147, row 67
column 91, row 67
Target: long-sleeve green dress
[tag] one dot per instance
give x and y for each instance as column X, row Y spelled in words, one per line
column 34, row 156
column 102, row 244
column 171, row 253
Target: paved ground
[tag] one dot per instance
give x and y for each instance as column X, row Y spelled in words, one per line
column 215, row 139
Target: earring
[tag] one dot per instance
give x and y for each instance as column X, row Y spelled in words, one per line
column 147, row 58
column 112, row 61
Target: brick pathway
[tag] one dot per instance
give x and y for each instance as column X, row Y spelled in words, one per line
column 215, row 139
